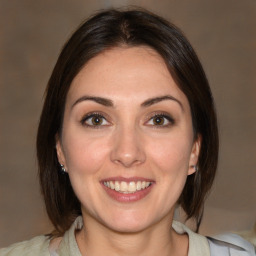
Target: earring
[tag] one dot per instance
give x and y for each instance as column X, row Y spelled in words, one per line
column 195, row 167
column 63, row 170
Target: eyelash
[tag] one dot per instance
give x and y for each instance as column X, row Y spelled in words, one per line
column 167, row 117
column 103, row 119
column 94, row 115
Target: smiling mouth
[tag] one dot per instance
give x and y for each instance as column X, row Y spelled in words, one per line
column 127, row 187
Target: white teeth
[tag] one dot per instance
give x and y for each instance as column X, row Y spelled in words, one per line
column 138, row 186
column 127, row 187
column 123, row 186
column 117, row 186
column 132, row 187
column 112, row 185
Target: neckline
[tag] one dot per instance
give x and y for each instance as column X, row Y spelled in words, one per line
column 198, row 244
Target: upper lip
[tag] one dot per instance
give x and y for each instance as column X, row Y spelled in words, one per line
column 129, row 179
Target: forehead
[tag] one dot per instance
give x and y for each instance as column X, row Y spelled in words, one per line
column 126, row 72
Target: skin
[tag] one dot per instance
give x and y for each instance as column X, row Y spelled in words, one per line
column 128, row 143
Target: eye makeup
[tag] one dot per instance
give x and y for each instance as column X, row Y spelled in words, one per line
column 160, row 120
column 94, row 120
column 156, row 119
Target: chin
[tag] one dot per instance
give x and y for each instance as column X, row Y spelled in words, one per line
column 128, row 227
column 128, row 223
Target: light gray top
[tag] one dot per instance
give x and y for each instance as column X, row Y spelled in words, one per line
column 67, row 245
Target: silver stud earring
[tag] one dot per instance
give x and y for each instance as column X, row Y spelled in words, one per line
column 195, row 167
column 63, row 170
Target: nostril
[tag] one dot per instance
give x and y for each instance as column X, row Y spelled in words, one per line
column 127, row 159
column 127, row 162
column 127, row 148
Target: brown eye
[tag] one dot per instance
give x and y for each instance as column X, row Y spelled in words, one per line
column 159, row 120
column 94, row 120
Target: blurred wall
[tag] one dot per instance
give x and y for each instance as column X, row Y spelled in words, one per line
column 31, row 35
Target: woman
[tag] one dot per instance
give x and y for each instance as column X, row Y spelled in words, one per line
column 128, row 132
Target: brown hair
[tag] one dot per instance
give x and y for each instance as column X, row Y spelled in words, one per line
column 113, row 28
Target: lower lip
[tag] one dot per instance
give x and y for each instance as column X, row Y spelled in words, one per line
column 126, row 198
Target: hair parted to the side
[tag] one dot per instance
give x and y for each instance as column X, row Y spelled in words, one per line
column 115, row 28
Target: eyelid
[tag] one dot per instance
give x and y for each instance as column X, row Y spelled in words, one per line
column 93, row 114
column 165, row 115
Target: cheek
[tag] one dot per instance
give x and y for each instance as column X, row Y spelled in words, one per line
column 84, row 154
column 170, row 159
column 85, row 157
column 171, row 154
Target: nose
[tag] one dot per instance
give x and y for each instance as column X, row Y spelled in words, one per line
column 127, row 148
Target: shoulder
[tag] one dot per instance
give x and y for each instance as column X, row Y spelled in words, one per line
column 198, row 244
column 230, row 244
column 36, row 246
column 224, row 244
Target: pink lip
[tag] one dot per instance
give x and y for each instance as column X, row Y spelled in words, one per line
column 119, row 178
column 126, row 198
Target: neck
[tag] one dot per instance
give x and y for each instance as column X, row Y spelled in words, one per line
column 159, row 239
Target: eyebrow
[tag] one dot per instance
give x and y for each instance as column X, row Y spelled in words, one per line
column 109, row 103
column 155, row 100
column 100, row 100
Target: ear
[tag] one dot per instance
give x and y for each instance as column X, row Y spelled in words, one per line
column 194, row 155
column 59, row 150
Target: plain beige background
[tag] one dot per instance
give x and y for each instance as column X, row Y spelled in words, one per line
column 31, row 35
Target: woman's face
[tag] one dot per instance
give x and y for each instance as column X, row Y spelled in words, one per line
column 127, row 139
